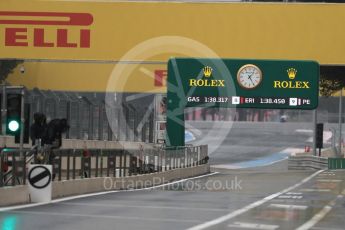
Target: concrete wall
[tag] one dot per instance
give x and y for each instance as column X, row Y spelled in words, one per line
column 307, row 162
column 20, row 194
column 83, row 186
column 14, row 195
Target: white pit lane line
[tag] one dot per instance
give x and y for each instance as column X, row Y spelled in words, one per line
column 253, row 226
column 4, row 209
column 252, row 205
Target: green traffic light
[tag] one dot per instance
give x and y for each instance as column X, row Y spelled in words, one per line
column 13, row 126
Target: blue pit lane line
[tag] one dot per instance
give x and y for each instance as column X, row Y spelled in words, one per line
column 262, row 161
column 188, row 136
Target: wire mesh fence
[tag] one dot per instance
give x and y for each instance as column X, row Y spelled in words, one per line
column 92, row 117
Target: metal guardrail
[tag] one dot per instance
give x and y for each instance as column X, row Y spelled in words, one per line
column 69, row 164
column 307, row 162
column 336, row 163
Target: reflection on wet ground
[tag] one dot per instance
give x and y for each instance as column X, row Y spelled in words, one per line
column 317, row 204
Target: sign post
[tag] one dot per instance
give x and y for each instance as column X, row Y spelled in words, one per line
column 40, row 183
column 237, row 83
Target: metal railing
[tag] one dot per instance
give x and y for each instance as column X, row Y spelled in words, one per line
column 69, row 164
column 13, row 164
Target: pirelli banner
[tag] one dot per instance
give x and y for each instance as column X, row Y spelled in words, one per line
column 107, row 33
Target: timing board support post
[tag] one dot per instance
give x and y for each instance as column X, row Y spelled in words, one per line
column 340, row 120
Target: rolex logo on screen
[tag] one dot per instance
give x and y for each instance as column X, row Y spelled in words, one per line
column 291, row 83
column 206, row 81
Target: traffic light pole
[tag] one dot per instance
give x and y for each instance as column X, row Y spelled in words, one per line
column 3, row 110
column 340, row 120
column 22, row 120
